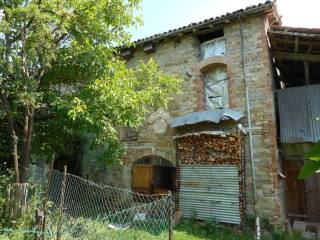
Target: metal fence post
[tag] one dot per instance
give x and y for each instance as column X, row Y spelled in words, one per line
column 45, row 200
column 63, row 188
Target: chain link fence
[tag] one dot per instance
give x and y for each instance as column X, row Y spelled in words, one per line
column 76, row 208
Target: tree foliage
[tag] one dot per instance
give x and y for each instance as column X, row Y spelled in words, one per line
column 61, row 76
column 312, row 164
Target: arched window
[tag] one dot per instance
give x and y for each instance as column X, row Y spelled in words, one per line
column 153, row 160
column 216, row 88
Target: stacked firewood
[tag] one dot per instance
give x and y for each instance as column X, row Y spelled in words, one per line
column 210, row 149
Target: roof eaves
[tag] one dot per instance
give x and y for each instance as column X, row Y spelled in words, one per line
column 217, row 20
column 292, row 31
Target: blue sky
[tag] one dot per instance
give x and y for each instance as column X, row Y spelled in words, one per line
column 162, row 15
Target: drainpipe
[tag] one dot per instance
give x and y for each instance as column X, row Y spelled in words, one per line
column 253, row 169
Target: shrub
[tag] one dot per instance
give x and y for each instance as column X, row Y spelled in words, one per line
column 6, row 177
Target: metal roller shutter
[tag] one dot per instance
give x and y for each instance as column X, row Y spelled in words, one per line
column 210, row 192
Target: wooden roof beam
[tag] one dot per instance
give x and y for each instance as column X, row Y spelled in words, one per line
column 301, row 41
column 296, row 56
column 300, row 34
column 296, row 44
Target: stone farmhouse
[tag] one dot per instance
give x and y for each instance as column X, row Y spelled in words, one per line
column 232, row 143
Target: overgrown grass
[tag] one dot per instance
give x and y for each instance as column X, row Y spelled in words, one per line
column 186, row 230
column 191, row 230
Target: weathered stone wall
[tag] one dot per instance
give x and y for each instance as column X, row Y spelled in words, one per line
column 175, row 56
column 117, row 176
column 181, row 56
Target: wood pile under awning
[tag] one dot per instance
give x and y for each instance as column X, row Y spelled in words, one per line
column 210, row 149
column 200, row 158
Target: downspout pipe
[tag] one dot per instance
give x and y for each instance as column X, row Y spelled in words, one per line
column 253, row 169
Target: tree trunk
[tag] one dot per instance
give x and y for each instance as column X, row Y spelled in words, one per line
column 14, row 137
column 28, row 127
column 15, row 156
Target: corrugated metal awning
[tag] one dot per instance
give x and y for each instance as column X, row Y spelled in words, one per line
column 207, row 116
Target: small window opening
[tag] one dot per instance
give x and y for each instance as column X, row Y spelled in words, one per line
column 212, row 44
column 212, row 48
column 210, row 36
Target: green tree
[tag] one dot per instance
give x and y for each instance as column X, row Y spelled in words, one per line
column 61, row 76
column 312, row 164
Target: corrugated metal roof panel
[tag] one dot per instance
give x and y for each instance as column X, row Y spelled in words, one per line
column 207, row 116
column 299, row 110
column 210, row 192
column 314, row 119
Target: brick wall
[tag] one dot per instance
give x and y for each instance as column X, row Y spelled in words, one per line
column 259, row 76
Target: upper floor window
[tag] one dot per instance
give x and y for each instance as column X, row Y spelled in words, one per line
column 216, row 88
column 212, row 48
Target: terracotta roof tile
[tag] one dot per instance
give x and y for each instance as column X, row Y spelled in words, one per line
column 234, row 14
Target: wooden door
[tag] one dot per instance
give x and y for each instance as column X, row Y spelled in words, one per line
column 295, row 190
column 313, row 197
column 142, row 178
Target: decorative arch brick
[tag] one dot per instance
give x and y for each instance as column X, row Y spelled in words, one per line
column 204, row 66
column 133, row 154
column 211, row 62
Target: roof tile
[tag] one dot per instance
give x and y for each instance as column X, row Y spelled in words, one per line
column 260, row 6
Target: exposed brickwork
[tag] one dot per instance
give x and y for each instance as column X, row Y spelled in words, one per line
column 199, row 91
column 210, row 62
column 202, row 67
column 259, row 75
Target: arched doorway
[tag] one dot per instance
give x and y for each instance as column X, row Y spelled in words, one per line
column 153, row 175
